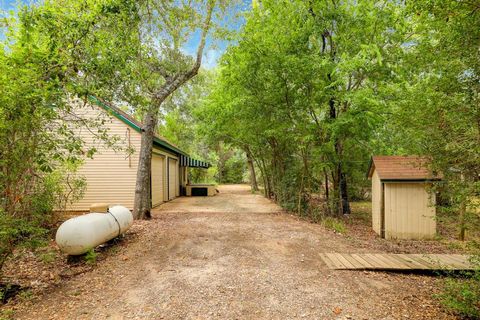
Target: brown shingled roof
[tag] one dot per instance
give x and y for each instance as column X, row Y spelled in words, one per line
column 401, row 168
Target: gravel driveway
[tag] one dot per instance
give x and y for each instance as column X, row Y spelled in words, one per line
column 233, row 256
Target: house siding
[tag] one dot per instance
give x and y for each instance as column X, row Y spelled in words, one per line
column 111, row 174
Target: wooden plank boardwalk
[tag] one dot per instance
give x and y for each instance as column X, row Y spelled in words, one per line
column 384, row 261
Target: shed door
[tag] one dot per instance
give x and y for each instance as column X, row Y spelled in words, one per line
column 157, row 179
column 172, row 178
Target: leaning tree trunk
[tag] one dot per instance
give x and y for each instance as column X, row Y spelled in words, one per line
column 251, row 168
column 142, row 204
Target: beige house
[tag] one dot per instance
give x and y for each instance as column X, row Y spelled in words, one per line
column 402, row 205
column 111, row 173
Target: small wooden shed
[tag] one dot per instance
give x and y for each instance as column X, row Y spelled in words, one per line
column 402, row 205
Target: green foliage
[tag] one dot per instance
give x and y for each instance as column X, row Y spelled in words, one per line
column 90, row 257
column 334, row 224
column 54, row 55
column 297, row 91
column 6, row 314
column 26, row 295
column 462, row 294
column 234, row 170
column 48, row 257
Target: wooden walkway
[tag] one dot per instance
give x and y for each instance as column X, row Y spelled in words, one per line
column 376, row 261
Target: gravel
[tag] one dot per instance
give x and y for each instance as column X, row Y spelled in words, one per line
column 232, row 256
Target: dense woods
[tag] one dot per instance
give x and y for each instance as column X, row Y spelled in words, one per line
column 313, row 89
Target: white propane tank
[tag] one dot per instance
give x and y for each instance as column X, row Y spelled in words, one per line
column 80, row 234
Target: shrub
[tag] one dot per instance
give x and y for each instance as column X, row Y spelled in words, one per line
column 16, row 232
column 90, row 257
column 462, row 295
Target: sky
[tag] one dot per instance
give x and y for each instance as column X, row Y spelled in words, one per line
column 213, row 50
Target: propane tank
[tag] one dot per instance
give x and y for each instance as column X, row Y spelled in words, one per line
column 80, row 234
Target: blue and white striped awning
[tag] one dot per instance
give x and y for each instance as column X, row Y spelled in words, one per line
column 192, row 163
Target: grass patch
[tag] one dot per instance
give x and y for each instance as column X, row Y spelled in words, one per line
column 90, row 257
column 334, row 224
column 48, row 257
column 7, row 314
column 362, row 210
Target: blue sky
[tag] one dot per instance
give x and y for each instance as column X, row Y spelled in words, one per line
column 213, row 50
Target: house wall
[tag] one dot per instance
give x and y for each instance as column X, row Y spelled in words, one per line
column 409, row 213
column 111, row 174
column 173, row 179
column 158, row 179
column 166, row 171
column 376, row 202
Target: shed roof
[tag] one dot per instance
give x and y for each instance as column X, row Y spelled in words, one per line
column 413, row 168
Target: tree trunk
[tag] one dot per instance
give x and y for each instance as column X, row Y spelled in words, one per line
column 326, row 185
column 143, row 203
column 344, row 202
column 251, row 168
column 266, row 178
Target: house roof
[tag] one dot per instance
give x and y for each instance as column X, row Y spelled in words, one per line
column 413, row 168
column 136, row 125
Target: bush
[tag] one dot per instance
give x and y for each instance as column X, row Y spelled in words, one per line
column 90, row 257
column 462, row 295
column 17, row 232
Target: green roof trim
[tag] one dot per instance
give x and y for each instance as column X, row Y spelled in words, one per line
column 115, row 113
column 156, row 140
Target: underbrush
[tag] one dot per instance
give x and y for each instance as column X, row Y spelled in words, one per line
column 334, row 224
column 461, row 294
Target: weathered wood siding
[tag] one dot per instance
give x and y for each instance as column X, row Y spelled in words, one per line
column 408, row 211
column 376, row 202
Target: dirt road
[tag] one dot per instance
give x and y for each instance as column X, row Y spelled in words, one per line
column 232, row 256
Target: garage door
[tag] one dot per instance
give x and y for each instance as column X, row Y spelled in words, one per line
column 172, row 178
column 157, row 179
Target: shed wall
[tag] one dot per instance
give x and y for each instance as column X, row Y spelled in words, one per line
column 376, row 202
column 408, row 211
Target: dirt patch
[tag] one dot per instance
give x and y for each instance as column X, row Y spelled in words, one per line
column 233, row 256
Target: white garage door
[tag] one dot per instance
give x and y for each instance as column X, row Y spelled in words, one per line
column 172, row 178
column 157, row 179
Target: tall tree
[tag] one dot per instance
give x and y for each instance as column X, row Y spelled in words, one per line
column 435, row 99
column 169, row 26
column 53, row 54
column 299, row 84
